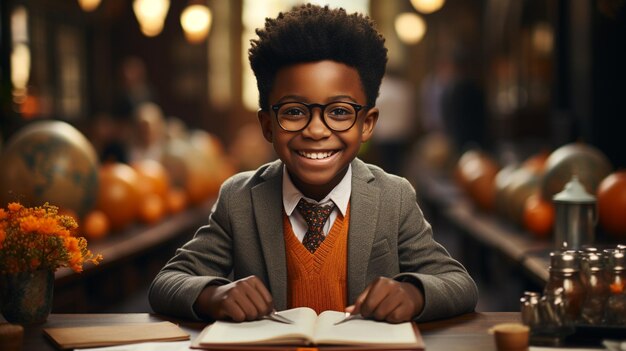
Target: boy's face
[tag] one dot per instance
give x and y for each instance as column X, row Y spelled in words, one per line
column 317, row 157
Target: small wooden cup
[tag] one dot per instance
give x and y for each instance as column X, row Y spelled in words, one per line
column 511, row 336
column 11, row 336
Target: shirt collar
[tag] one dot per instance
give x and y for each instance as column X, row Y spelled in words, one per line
column 340, row 194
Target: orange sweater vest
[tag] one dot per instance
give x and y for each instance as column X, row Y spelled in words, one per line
column 318, row 280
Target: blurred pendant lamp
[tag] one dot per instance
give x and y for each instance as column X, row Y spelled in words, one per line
column 427, row 6
column 410, row 27
column 151, row 15
column 89, row 5
column 196, row 22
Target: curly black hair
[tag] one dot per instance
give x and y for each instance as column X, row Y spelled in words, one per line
column 310, row 33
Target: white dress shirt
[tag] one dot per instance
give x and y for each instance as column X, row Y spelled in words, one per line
column 340, row 196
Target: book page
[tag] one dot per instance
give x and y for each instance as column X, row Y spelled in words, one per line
column 363, row 332
column 263, row 331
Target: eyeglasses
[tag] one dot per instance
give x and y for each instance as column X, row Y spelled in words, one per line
column 338, row 116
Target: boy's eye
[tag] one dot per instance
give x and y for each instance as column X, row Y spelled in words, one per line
column 293, row 111
column 339, row 111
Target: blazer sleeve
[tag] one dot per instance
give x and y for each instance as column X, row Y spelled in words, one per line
column 206, row 259
column 448, row 288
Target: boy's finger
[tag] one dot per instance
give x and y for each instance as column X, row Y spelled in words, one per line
column 260, row 303
column 258, row 296
column 233, row 310
column 379, row 290
column 391, row 300
column 360, row 299
column 262, row 290
column 398, row 315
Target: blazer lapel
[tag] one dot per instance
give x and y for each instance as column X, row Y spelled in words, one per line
column 364, row 209
column 267, row 206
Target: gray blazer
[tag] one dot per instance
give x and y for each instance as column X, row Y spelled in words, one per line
column 388, row 236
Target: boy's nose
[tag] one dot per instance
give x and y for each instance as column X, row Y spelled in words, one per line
column 316, row 129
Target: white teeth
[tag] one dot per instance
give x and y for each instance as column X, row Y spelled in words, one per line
column 316, row 155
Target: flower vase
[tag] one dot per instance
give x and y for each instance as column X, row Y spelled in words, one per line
column 26, row 297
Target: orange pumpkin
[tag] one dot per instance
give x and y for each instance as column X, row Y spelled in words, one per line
column 612, row 204
column 538, row 216
column 152, row 208
column 95, row 225
column 118, row 196
column 176, row 200
column 476, row 172
column 154, row 177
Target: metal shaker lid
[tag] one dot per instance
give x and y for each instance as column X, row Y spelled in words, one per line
column 564, row 261
column 594, row 261
column 574, row 192
column 617, row 260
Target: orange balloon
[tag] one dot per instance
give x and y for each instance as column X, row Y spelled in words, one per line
column 151, row 209
column 538, row 215
column 612, row 204
column 95, row 225
column 118, row 196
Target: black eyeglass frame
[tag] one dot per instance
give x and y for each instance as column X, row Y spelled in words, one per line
column 322, row 108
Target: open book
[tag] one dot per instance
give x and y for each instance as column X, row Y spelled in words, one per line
column 310, row 329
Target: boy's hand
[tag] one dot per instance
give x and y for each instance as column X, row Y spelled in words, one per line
column 242, row 300
column 388, row 300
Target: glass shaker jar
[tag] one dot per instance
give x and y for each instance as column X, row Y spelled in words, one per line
column 596, row 287
column 530, row 310
column 616, row 303
column 564, row 273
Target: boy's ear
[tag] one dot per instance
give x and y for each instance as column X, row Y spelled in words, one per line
column 265, row 120
column 369, row 122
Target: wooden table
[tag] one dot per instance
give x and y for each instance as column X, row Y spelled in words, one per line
column 466, row 332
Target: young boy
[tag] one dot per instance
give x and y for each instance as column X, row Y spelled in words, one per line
column 368, row 250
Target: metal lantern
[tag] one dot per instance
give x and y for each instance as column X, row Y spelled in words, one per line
column 576, row 216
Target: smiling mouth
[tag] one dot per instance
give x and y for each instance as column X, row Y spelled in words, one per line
column 319, row 155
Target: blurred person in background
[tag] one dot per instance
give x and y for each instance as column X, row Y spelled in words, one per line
column 463, row 104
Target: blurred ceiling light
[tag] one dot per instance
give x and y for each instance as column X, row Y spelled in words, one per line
column 20, row 53
column 196, row 22
column 89, row 5
column 151, row 15
column 410, row 27
column 20, row 66
column 427, row 6
column 19, row 25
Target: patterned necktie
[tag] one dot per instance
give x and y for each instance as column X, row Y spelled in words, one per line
column 315, row 217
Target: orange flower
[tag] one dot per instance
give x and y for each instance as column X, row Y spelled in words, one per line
column 71, row 244
column 29, row 224
column 15, row 206
column 39, row 237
